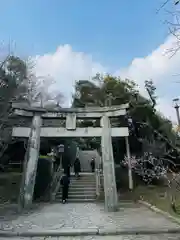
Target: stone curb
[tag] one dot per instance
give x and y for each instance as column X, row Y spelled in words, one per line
column 157, row 210
column 52, row 233
column 88, row 232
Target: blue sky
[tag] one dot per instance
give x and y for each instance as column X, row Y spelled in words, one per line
column 113, row 32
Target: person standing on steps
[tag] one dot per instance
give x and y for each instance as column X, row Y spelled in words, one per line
column 65, row 187
column 92, row 164
column 67, row 169
column 77, row 167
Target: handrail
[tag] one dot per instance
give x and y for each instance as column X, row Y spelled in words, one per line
column 52, row 187
column 98, row 182
column 54, row 179
column 101, row 180
column 55, row 183
column 101, row 174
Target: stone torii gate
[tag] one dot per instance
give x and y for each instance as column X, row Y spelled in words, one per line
column 62, row 122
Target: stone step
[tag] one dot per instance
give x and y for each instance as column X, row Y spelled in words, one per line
column 84, row 186
column 91, row 187
column 76, row 190
column 92, row 196
column 86, row 181
column 82, row 183
column 78, row 196
column 82, row 173
column 77, row 200
column 83, row 177
column 82, row 180
column 79, row 190
column 83, row 191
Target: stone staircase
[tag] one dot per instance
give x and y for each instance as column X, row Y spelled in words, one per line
column 85, row 157
column 80, row 190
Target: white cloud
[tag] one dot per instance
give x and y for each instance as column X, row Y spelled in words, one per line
column 156, row 65
column 166, row 108
column 160, row 67
column 66, row 66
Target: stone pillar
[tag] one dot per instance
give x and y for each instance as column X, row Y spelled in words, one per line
column 110, row 190
column 31, row 160
column 129, row 164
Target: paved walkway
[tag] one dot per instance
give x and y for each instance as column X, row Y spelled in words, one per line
column 154, row 237
column 90, row 215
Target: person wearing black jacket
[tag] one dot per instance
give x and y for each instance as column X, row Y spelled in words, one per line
column 92, row 164
column 77, row 167
column 65, row 187
column 67, row 169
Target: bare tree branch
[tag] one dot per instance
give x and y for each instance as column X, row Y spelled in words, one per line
column 163, row 5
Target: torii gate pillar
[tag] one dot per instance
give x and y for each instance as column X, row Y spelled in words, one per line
column 31, row 160
column 110, row 190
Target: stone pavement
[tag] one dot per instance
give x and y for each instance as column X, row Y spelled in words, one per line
column 139, row 237
column 86, row 216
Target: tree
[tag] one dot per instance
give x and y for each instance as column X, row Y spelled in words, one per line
column 58, row 98
column 152, row 169
column 18, row 82
column 149, row 129
column 147, row 167
column 176, row 2
column 40, row 90
column 145, row 124
column 173, row 26
column 12, row 76
column 149, row 85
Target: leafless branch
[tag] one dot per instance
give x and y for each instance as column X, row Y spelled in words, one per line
column 163, row 5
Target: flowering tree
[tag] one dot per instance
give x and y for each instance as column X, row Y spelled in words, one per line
column 41, row 90
column 147, row 167
column 150, row 169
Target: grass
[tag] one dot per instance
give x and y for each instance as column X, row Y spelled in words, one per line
column 158, row 196
column 9, row 187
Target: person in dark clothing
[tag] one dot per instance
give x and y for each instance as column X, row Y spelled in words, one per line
column 77, row 167
column 93, row 165
column 65, row 187
column 67, row 169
